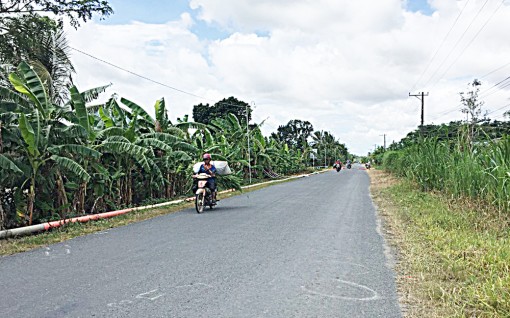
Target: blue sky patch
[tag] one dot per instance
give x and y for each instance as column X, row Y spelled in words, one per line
column 147, row 11
column 154, row 43
column 208, row 31
column 419, row 6
column 157, row 12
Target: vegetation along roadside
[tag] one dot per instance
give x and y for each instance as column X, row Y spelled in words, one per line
column 453, row 255
column 71, row 230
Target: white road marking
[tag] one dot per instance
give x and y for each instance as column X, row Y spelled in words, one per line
column 373, row 292
column 146, row 295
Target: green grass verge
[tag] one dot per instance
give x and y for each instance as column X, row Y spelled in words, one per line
column 454, row 260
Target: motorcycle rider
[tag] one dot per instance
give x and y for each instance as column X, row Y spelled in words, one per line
column 208, row 168
column 338, row 165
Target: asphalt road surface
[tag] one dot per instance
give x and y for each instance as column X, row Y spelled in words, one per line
column 306, row 248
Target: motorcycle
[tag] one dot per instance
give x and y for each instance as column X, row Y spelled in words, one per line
column 349, row 166
column 338, row 168
column 203, row 195
column 367, row 165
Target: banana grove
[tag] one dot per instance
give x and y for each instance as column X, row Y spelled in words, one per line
column 62, row 157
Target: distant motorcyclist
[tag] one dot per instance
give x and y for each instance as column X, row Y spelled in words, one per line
column 338, row 165
column 208, row 168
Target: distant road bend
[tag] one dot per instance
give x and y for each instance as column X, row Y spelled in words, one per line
column 306, row 248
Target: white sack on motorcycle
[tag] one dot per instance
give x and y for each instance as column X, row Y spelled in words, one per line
column 222, row 167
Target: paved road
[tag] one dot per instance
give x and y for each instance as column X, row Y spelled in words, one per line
column 306, row 248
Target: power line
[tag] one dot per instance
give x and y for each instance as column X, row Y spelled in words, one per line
column 149, row 79
column 469, row 44
column 494, row 86
column 495, row 70
column 138, row 75
column 482, row 94
column 447, row 112
column 459, row 109
column 500, row 88
column 457, row 43
column 491, row 112
column 440, row 46
column 500, row 116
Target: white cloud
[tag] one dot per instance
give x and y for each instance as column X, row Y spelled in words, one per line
column 346, row 66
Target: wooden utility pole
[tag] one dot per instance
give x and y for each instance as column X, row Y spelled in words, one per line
column 421, row 96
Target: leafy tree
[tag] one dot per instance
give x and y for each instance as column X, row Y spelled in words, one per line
column 20, row 36
column 41, row 42
column 454, row 130
column 76, row 11
column 472, row 107
column 204, row 113
column 295, row 133
column 329, row 149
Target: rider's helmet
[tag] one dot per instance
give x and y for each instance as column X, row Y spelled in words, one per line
column 206, row 156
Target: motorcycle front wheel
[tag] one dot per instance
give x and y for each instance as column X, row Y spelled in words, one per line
column 199, row 202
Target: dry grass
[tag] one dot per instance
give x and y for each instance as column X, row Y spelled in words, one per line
column 453, row 257
column 410, row 284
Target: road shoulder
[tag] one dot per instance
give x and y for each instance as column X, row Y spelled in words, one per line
column 452, row 255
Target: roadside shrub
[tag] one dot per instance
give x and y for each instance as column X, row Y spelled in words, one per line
column 480, row 171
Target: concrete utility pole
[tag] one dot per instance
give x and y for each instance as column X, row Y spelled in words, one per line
column 248, row 137
column 421, row 96
column 384, row 141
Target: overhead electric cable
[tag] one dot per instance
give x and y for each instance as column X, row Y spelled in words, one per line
column 460, row 109
column 481, row 93
column 500, row 88
column 456, row 43
column 447, row 112
column 495, row 70
column 141, row 76
column 469, row 44
column 491, row 112
column 440, row 46
column 484, row 93
column 502, row 115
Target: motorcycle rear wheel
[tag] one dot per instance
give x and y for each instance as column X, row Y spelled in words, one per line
column 199, row 202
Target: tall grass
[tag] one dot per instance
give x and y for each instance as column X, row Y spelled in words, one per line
column 480, row 171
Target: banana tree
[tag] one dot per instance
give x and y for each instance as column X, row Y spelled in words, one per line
column 36, row 124
column 235, row 147
column 153, row 144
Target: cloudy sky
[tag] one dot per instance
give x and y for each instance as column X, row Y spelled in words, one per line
column 346, row 66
